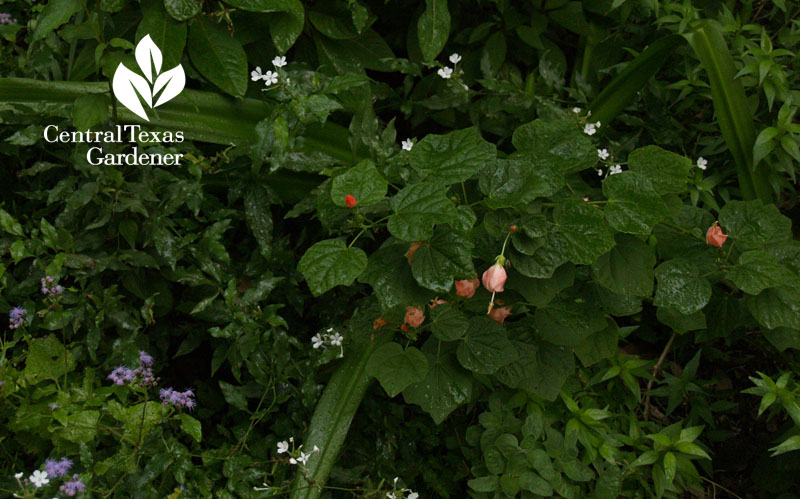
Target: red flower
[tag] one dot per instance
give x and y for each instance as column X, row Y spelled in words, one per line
column 350, row 201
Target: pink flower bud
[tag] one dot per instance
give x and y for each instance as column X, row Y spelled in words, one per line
column 414, row 316
column 715, row 237
column 500, row 313
column 467, row 287
column 494, row 278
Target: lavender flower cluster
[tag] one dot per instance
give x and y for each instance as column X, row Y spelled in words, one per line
column 58, row 468
column 143, row 374
column 5, row 18
column 73, row 487
column 178, row 399
column 50, row 288
column 16, row 317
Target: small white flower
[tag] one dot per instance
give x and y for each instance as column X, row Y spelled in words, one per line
column 291, row 439
column 397, row 477
column 603, row 154
column 292, row 460
column 445, row 72
column 599, row 172
column 413, row 495
column 455, row 58
column 263, row 487
column 408, row 144
column 702, row 163
column 279, row 61
column 283, row 447
column 39, row 478
column 18, row 475
column 336, row 339
column 589, row 129
column 615, row 169
column 270, row 78
column 597, row 124
column 390, row 495
column 317, row 341
column 315, row 449
column 588, row 113
column 576, row 110
column 329, row 330
column 256, row 74
column 304, row 457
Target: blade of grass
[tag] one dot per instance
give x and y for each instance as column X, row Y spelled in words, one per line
column 730, row 106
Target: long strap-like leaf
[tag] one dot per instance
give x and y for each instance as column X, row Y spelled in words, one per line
column 202, row 116
column 730, row 106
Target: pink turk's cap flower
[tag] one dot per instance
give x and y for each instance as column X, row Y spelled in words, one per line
column 467, row 287
column 436, row 301
column 494, row 278
column 414, row 316
column 500, row 313
column 715, row 237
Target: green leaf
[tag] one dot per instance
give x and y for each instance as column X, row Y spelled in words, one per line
column 790, row 444
column 530, row 481
column 90, row 110
column 396, row 368
column 665, row 170
column 730, row 107
column 168, row 34
column 330, row 263
column 54, row 14
column 362, row 182
column 542, row 264
column 351, row 56
column 758, row 270
column 521, row 178
column 285, row 27
column 417, row 208
column 47, row 359
column 10, row 224
column 258, row 216
column 776, row 307
column 80, row 427
column 182, row 10
column 680, row 285
column 446, row 386
column 488, row 483
column 560, row 140
column 448, row 323
column 681, row 323
column 568, row 323
column 453, row 157
column 598, row 346
column 633, row 205
column 628, row 268
column 433, row 28
column 580, row 232
column 752, row 225
column 539, row 292
column 333, row 20
column 783, row 338
column 670, row 464
column 217, row 55
column 541, row 368
column 485, row 347
column 442, row 259
column 389, row 274
column 233, row 395
column 191, row 427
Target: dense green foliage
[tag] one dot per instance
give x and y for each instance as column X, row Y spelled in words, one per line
column 306, row 279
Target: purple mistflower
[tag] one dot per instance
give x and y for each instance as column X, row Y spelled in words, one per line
column 178, row 399
column 57, row 468
column 73, row 487
column 145, row 359
column 49, row 286
column 16, row 317
column 53, row 407
column 121, row 374
column 5, row 18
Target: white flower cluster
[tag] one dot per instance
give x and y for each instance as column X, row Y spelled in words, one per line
column 591, row 128
column 400, row 493
column 296, row 455
column 702, row 163
column 270, row 77
column 446, row 72
column 331, row 337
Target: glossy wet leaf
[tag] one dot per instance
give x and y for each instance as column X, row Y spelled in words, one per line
column 681, row 286
column 396, row 368
column 485, row 347
column 330, row 263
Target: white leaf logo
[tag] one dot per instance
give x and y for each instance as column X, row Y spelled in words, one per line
column 132, row 89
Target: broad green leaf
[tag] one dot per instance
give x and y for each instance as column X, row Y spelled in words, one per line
column 542, row 264
column 453, row 157
column 488, row 483
column 665, row 170
column 752, row 225
column 389, row 274
column 485, row 347
column 47, row 359
column 628, row 268
column 417, row 208
column 9, row 224
column 333, row 20
column 285, row 27
column 433, row 28
column 258, row 216
column 776, row 307
column 446, row 386
column 233, row 395
column 441, row 260
column 396, row 368
column 758, row 270
column 633, row 205
column 330, row 263
column 541, row 367
column 681, row 323
column 362, row 182
column 521, row 178
column 54, row 14
column 168, row 34
column 783, row 338
column 83, row 426
column 191, row 427
column 530, row 481
column 90, row 110
column 580, row 232
column 669, row 466
column 598, row 346
column 539, row 292
column 563, row 140
column 681, row 286
column 182, row 10
column 448, row 323
column 351, row 56
column 568, row 323
column 217, row 55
